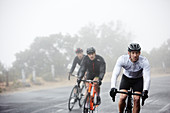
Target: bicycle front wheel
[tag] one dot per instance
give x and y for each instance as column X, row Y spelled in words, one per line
column 86, row 105
column 128, row 111
column 81, row 95
column 73, row 97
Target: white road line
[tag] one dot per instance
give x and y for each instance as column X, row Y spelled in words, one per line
column 59, row 110
column 58, row 105
column 8, row 110
column 165, row 108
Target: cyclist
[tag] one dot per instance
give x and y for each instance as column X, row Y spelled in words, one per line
column 95, row 67
column 77, row 60
column 136, row 75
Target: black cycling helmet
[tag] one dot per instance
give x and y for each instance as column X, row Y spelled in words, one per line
column 91, row 50
column 79, row 50
column 134, row 47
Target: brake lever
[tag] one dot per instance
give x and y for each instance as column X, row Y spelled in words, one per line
column 113, row 99
column 143, row 102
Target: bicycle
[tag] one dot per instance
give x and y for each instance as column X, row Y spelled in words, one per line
column 76, row 95
column 91, row 98
column 129, row 105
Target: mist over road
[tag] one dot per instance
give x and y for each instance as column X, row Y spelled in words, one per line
column 55, row 100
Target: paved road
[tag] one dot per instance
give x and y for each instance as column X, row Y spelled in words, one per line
column 55, row 100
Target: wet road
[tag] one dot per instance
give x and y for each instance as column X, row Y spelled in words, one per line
column 55, row 100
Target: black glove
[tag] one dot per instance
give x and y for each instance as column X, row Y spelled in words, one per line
column 78, row 81
column 100, row 82
column 113, row 93
column 144, row 96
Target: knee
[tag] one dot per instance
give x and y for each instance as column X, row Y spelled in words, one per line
column 96, row 85
column 123, row 97
column 136, row 100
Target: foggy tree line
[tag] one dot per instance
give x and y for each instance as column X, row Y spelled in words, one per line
column 159, row 58
column 110, row 41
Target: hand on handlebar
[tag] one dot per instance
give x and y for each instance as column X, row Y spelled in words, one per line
column 100, row 82
column 144, row 96
column 78, row 81
column 113, row 93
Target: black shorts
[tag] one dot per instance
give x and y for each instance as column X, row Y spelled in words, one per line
column 135, row 83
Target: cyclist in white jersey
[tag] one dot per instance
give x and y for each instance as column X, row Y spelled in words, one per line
column 136, row 75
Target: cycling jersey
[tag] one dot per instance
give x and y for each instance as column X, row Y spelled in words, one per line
column 95, row 68
column 132, row 70
column 75, row 62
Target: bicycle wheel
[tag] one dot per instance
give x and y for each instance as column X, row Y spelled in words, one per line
column 129, row 105
column 128, row 111
column 86, row 105
column 81, row 94
column 73, row 97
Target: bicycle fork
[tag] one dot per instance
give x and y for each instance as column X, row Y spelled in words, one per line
column 92, row 96
column 129, row 105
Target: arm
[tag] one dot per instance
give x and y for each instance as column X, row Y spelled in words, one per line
column 146, row 75
column 73, row 65
column 102, row 69
column 82, row 69
column 116, row 72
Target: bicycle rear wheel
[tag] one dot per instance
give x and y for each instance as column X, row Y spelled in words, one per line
column 81, row 95
column 73, row 97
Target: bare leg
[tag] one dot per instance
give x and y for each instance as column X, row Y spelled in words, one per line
column 122, row 102
column 97, row 88
column 136, row 99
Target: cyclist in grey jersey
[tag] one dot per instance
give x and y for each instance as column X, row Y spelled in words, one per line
column 136, row 75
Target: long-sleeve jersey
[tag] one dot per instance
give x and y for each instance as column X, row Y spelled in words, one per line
column 75, row 62
column 95, row 68
column 132, row 70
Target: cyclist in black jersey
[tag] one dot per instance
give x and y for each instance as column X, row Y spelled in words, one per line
column 77, row 60
column 95, row 67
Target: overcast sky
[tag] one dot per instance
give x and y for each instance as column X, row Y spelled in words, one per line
column 23, row 20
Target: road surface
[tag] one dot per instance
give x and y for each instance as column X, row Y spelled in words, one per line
column 55, row 100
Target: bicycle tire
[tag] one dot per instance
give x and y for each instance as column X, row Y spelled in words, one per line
column 129, row 106
column 87, row 110
column 94, row 102
column 81, row 96
column 71, row 105
column 127, row 111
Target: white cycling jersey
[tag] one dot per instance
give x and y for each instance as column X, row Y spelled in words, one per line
column 132, row 70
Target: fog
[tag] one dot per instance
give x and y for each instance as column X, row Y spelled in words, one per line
column 21, row 21
column 38, row 39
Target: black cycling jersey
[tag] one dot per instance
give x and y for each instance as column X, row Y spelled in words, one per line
column 95, row 68
column 75, row 62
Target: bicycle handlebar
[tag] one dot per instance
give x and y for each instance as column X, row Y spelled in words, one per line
column 90, row 81
column 130, row 93
column 72, row 75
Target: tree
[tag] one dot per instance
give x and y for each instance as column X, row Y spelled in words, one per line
column 44, row 52
column 160, row 57
column 106, row 38
column 110, row 41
